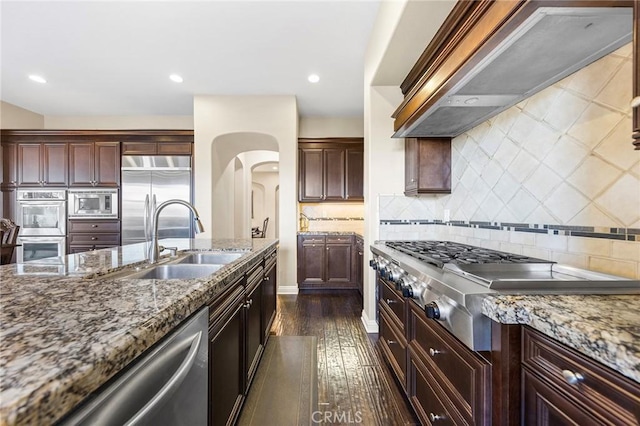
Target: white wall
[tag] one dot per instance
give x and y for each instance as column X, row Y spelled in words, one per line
column 324, row 127
column 265, row 203
column 14, row 117
column 228, row 125
column 147, row 122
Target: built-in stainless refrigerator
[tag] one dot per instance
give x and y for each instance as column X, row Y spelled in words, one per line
column 148, row 181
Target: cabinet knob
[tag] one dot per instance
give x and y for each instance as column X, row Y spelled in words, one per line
column 571, row 377
column 94, row 226
column 434, row 352
column 94, row 238
column 635, row 102
column 435, row 417
column 389, row 301
column 266, row 278
column 391, row 342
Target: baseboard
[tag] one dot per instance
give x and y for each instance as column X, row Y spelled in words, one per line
column 287, row 289
column 369, row 325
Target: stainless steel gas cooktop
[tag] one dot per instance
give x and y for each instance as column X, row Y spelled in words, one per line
column 450, row 280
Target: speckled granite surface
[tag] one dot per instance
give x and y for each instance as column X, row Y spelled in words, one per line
column 328, row 233
column 605, row 328
column 66, row 328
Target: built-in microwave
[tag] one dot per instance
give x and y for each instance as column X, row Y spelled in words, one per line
column 92, row 203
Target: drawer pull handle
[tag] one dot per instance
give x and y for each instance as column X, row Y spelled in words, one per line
column 435, row 417
column 94, row 238
column 94, row 226
column 389, row 301
column 434, row 352
column 571, row 377
column 392, row 342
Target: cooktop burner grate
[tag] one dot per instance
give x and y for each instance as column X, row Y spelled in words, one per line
column 439, row 253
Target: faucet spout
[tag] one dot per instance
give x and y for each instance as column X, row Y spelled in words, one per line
column 154, row 249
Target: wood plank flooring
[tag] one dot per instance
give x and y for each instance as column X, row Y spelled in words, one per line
column 354, row 384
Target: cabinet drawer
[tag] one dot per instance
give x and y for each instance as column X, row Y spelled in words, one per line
column 76, row 226
column 342, row 239
column 113, row 238
column 394, row 347
column 83, row 248
column 428, row 400
column 395, row 303
column 464, row 374
column 312, row 239
column 605, row 393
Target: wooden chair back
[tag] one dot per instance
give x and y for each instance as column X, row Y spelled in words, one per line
column 8, row 240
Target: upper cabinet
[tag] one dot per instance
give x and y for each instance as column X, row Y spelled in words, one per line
column 489, row 55
column 427, row 166
column 330, row 170
column 636, row 74
column 157, row 148
column 41, row 164
column 94, row 164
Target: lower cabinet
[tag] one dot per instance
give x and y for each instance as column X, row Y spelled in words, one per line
column 239, row 320
column 92, row 234
column 327, row 262
column 562, row 386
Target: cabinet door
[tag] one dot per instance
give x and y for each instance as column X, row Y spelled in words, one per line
column 410, row 165
column 636, row 73
column 334, row 174
column 54, row 164
column 226, row 362
column 29, row 164
column 81, row 162
column 311, row 261
column 310, row 180
column 107, row 164
column 269, row 299
column 9, row 164
column 434, row 165
column 354, row 186
column 339, row 262
column 253, row 312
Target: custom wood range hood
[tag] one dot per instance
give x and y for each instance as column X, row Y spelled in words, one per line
column 489, row 55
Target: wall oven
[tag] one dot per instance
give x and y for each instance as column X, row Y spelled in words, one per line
column 93, row 203
column 36, row 248
column 41, row 212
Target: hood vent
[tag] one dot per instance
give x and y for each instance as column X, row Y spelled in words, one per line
column 552, row 43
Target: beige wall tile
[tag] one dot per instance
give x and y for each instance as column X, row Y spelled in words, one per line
column 629, row 250
column 576, row 260
column 553, row 242
column 615, row 267
column 595, row 246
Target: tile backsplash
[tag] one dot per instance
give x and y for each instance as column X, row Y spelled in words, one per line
column 560, row 163
column 334, row 217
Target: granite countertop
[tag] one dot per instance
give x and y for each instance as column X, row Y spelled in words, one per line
column 604, row 328
column 67, row 328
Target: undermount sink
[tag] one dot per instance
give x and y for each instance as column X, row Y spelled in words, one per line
column 175, row 271
column 221, row 258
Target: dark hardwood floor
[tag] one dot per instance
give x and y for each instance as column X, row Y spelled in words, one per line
column 354, row 385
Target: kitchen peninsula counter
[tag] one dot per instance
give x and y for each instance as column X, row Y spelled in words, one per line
column 605, row 328
column 329, row 233
column 67, row 327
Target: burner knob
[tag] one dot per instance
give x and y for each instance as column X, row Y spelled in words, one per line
column 400, row 282
column 407, row 291
column 392, row 275
column 374, row 264
column 432, row 310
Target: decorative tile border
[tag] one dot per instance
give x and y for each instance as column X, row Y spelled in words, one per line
column 622, row 234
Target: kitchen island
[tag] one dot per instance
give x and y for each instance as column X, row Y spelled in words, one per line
column 68, row 325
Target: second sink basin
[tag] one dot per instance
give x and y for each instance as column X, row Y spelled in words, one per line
column 220, row 258
column 175, row 271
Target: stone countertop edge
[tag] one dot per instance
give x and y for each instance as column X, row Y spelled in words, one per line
column 65, row 335
column 605, row 328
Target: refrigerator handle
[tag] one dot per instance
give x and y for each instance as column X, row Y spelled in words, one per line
column 145, row 218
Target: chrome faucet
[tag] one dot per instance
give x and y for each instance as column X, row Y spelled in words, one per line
column 155, row 249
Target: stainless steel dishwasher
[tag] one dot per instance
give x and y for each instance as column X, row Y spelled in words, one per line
column 166, row 386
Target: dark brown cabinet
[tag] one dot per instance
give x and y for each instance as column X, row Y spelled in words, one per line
column 330, row 170
column 9, row 165
column 239, row 321
column 427, row 163
column 157, row 148
column 41, row 164
column 94, row 164
column 326, row 261
column 359, row 265
column 636, row 74
column 92, row 234
column 562, row 386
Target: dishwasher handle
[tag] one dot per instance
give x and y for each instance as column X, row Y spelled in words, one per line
column 173, row 383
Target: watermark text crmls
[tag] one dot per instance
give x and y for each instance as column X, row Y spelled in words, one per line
column 329, row 417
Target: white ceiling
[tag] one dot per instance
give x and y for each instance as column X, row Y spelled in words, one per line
column 115, row 58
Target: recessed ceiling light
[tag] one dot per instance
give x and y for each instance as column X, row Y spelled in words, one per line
column 176, row 78
column 275, row 167
column 37, row 78
column 314, row 78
